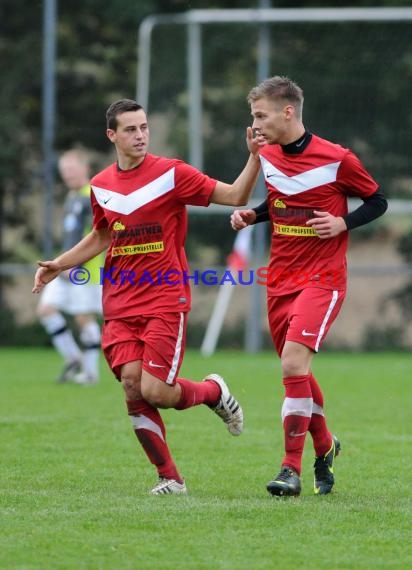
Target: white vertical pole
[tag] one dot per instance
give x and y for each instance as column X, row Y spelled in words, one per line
column 216, row 320
column 241, row 247
column 253, row 332
column 144, row 57
column 194, row 60
column 48, row 120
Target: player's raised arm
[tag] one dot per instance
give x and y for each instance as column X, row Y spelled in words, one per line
column 238, row 193
column 91, row 245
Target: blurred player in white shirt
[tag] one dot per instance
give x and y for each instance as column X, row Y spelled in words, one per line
column 83, row 302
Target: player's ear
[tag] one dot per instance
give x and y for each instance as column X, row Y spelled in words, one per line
column 111, row 135
column 289, row 111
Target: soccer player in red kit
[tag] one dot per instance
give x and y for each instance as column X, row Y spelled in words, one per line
column 139, row 215
column 308, row 180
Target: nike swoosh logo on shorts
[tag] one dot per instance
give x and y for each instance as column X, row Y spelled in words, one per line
column 304, row 333
column 153, row 365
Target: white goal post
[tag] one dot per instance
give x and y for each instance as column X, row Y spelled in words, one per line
column 194, row 19
column 258, row 17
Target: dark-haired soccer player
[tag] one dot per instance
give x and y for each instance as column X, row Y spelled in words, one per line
column 139, row 214
column 308, row 181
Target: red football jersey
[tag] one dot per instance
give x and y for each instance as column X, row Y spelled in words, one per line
column 320, row 178
column 145, row 210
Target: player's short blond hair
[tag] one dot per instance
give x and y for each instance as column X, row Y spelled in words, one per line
column 278, row 88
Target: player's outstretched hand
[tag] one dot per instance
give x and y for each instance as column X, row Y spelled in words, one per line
column 242, row 218
column 46, row 272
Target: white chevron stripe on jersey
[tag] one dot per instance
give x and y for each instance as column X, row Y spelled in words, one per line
column 291, row 185
column 121, row 204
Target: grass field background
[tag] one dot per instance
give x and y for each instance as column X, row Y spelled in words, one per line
column 73, row 480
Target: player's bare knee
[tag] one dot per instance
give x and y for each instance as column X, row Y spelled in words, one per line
column 44, row 311
column 296, row 359
column 292, row 366
column 159, row 394
column 131, row 386
column 153, row 394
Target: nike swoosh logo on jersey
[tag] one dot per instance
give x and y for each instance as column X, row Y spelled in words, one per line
column 305, row 333
column 291, row 185
column 153, row 365
column 122, row 204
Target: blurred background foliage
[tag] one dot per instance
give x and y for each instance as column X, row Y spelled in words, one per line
column 356, row 79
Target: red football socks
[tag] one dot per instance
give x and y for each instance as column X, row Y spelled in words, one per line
column 322, row 438
column 296, row 413
column 151, row 433
column 195, row 393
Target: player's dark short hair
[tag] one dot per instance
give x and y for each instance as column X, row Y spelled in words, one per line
column 118, row 108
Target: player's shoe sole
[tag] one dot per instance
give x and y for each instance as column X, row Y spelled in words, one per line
column 228, row 408
column 286, row 484
column 324, row 477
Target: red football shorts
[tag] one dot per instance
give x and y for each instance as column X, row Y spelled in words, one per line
column 158, row 341
column 304, row 316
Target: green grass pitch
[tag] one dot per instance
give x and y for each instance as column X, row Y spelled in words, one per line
column 73, row 480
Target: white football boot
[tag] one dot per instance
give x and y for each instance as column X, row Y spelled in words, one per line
column 228, row 408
